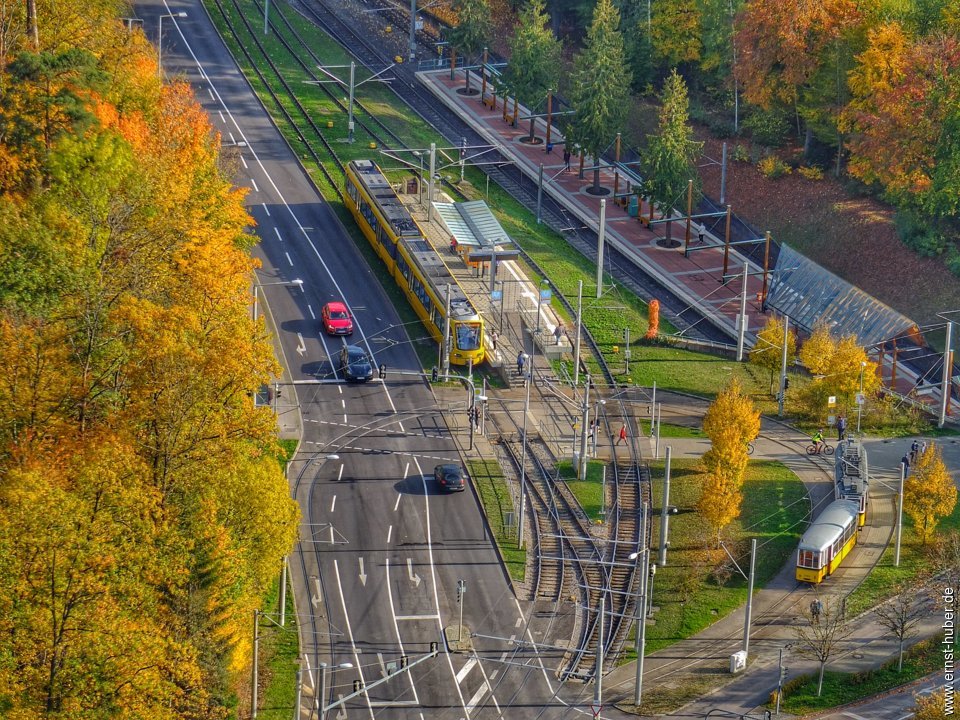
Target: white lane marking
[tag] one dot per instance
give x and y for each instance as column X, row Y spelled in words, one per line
column 222, row 118
column 306, row 659
column 363, row 575
column 481, row 691
column 512, row 639
column 233, row 140
column 353, row 646
column 539, row 659
column 310, row 308
column 396, row 628
column 212, row 97
column 277, row 232
column 467, row 667
column 301, row 345
column 519, row 623
column 288, row 259
column 397, row 504
column 493, row 675
column 343, row 403
column 333, row 504
column 389, row 534
column 418, row 617
column 254, row 183
column 400, row 425
column 487, row 681
column 266, row 209
column 244, row 163
column 433, row 578
column 340, row 474
column 854, row 715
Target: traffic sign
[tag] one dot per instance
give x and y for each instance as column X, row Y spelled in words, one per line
column 860, row 399
column 831, row 400
column 596, row 708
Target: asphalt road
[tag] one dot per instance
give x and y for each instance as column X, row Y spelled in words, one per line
column 381, row 552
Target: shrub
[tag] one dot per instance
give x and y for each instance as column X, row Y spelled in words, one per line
column 767, row 128
column 953, row 260
column 720, row 126
column 773, row 167
column 920, row 234
column 810, row 172
column 740, row 153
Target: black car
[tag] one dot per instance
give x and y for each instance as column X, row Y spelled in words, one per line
column 355, row 363
column 449, row 477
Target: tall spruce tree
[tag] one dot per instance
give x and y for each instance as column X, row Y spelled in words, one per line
column 473, row 31
column 601, row 86
column 669, row 161
column 534, row 67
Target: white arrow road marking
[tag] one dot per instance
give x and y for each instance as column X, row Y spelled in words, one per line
column 301, row 346
column 414, row 578
column 316, row 599
column 363, row 575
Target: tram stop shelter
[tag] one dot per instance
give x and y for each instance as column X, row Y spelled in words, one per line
column 476, row 234
column 809, row 294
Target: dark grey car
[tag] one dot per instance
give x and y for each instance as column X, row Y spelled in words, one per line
column 355, row 363
column 449, row 477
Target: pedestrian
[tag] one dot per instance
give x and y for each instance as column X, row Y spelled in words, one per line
column 905, row 461
column 476, row 416
column 520, row 359
column 549, row 148
column 816, row 607
column 453, row 245
column 566, row 160
column 923, row 447
column 622, row 437
column 700, row 235
column 914, row 447
column 558, row 332
column 493, row 340
column 841, row 427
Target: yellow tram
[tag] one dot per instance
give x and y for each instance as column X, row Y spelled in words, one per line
column 413, row 263
column 851, row 477
column 827, row 541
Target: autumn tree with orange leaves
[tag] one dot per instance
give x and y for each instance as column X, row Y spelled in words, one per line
column 143, row 512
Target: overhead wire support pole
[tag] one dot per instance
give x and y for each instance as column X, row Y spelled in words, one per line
column 742, row 318
column 600, row 240
column 783, row 367
column 947, row 365
column 576, row 344
column 413, row 31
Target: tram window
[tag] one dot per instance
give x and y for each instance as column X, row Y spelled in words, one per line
column 352, row 191
column 468, row 336
column 402, row 265
column 809, row 559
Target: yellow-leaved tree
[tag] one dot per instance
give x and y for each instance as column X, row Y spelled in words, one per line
column 839, row 367
column 929, row 494
column 768, row 352
column 731, row 422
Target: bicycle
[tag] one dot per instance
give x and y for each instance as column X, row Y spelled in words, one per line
column 824, row 449
column 750, row 448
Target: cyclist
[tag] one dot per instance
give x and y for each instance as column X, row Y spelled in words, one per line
column 817, row 440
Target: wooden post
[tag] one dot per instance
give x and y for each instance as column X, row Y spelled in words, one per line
column 726, row 245
column 581, row 164
column 766, row 270
column 549, row 114
column 453, row 62
column 505, row 108
column 516, row 110
column 616, row 170
column 686, row 240
column 483, row 76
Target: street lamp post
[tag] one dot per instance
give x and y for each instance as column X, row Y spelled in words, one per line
column 419, row 155
column 180, row 14
column 863, row 365
column 523, row 454
column 322, row 668
column 641, row 633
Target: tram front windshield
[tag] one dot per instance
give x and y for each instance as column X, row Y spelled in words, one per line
column 468, row 336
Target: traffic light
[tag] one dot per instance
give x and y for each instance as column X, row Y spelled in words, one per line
column 786, row 382
column 435, row 374
column 783, row 673
column 383, row 371
column 357, row 685
column 404, row 661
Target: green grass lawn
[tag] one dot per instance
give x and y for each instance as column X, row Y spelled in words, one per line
column 488, row 480
column 916, row 563
column 800, row 694
column 279, row 659
column 687, row 592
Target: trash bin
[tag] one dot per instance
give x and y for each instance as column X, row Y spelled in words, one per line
column 738, row 661
column 634, row 207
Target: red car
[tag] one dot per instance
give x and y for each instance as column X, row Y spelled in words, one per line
column 336, row 319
